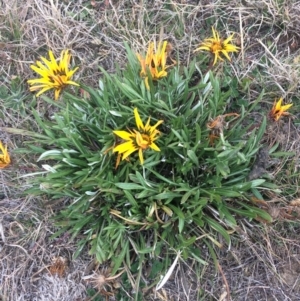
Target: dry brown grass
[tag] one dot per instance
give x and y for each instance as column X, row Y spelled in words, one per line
column 263, row 262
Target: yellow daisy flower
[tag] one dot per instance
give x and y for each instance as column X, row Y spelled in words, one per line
column 54, row 75
column 4, row 157
column 218, row 46
column 155, row 61
column 137, row 140
column 278, row 110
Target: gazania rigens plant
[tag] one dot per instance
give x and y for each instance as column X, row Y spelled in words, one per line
column 54, row 75
column 218, row 46
column 185, row 188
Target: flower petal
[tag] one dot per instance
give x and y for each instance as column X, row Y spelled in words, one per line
column 42, row 91
column 141, row 156
column 226, row 54
column 124, row 135
column 129, row 152
column 228, row 39
column 286, row 107
column 56, row 93
column 4, row 157
column 138, row 119
column 124, row 147
column 152, row 128
column 154, row 147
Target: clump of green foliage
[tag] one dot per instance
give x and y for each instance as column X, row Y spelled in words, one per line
column 195, row 186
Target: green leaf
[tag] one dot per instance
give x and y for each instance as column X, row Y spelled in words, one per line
column 49, row 154
column 213, row 254
column 117, row 261
column 191, row 154
column 227, row 192
column 145, row 251
column 186, row 196
column 177, row 135
column 197, row 258
column 215, row 225
column 166, row 195
column 198, row 134
column 283, row 154
column 224, row 212
column 257, row 211
column 129, row 186
column 257, row 182
column 262, row 129
column 177, row 210
column 180, row 224
column 259, row 98
column 159, row 176
column 130, row 198
column 257, row 193
column 226, row 153
column 128, row 91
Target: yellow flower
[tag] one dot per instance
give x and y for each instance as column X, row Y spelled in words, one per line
column 278, row 110
column 155, row 61
column 137, row 140
column 53, row 75
column 4, row 157
column 217, row 46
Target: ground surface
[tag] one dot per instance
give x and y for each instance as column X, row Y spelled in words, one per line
column 263, row 262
